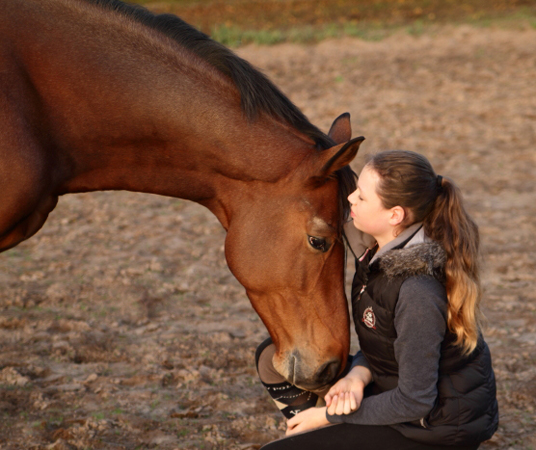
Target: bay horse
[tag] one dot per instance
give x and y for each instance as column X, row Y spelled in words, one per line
column 101, row 95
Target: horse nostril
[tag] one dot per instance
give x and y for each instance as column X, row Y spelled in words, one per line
column 327, row 372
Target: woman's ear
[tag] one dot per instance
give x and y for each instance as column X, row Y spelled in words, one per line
column 398, row 214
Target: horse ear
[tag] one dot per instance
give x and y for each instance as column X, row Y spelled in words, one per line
column 337, row 157
column 341, row 129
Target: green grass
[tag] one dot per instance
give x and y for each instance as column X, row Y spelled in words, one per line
column 171, row 2
column 240, row 22
column 522, row 18
column 234, row 36
column 55, row 421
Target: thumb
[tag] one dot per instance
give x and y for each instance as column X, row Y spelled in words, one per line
column 292, row 422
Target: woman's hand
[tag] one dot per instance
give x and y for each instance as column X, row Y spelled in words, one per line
column 307, row 420
column 345, row 395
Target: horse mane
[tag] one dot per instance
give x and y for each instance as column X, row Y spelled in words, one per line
column 257, row 93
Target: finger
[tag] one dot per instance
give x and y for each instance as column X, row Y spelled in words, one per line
column 295, row 429
column 334, row 390
column 291, row 423
column 340, row 406
column 347, row 408
column 333, row 407
column 329, row 396
column 291, row 429
column 353, row 402
column 328, row 399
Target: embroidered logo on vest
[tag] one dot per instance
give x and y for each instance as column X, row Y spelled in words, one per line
column 369, row 319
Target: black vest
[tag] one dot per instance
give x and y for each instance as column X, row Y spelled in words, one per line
column 466, row 410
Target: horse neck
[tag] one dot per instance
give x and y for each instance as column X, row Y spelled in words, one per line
column 222, row 171
column 209, row 157
column 122, row 116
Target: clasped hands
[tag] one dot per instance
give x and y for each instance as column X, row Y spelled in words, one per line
column 344, row 397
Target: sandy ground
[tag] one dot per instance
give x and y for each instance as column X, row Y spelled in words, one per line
column 121, row 326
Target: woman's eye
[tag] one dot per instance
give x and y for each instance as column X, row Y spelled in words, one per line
column 318, row 243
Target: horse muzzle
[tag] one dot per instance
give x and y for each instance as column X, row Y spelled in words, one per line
column 306, row 374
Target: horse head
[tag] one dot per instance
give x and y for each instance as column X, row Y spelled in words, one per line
column 286, row 249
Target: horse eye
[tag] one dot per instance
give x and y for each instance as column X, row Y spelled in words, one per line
column 318, row 243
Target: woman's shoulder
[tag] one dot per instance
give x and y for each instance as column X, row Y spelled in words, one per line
column 423, row 293
column 423, row 259
column 424, row 285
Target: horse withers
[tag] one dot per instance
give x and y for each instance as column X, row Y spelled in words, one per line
column 100, row 95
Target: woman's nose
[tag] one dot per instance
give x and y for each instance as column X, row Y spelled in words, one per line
column 351, row 196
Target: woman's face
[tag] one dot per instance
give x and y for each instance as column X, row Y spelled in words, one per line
column 368, row 212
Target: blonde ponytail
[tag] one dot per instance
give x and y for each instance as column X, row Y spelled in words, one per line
column 449, row 224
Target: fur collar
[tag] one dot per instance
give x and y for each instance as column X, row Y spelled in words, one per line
column 427, row 258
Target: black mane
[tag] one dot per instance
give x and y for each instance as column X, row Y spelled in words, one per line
column 258, row 94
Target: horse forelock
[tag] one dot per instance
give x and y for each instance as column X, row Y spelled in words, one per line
column 347, row 184
column 258, row 94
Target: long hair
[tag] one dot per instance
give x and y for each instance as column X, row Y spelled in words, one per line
column 407, row 179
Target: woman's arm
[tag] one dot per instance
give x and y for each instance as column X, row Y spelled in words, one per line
column 344, row 397
column 420, row 322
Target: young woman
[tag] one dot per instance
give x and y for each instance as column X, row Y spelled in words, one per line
column 423, row 377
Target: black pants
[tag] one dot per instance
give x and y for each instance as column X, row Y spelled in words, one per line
column 346, row 436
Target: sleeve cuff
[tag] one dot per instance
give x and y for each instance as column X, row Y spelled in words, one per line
column 335, row 418
column 359, row 360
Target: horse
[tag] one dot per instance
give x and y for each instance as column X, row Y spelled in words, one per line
column 102, row 95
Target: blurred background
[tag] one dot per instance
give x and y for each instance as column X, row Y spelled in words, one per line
column 121, row 326
column 238, row 22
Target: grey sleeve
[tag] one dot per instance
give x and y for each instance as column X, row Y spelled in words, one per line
column 359, row 360
column 420, row 323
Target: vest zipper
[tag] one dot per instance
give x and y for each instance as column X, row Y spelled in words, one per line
column 364, row 254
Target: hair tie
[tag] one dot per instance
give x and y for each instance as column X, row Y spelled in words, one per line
column 439, row 181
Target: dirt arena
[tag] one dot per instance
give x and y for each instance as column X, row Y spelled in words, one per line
column 122, row 328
